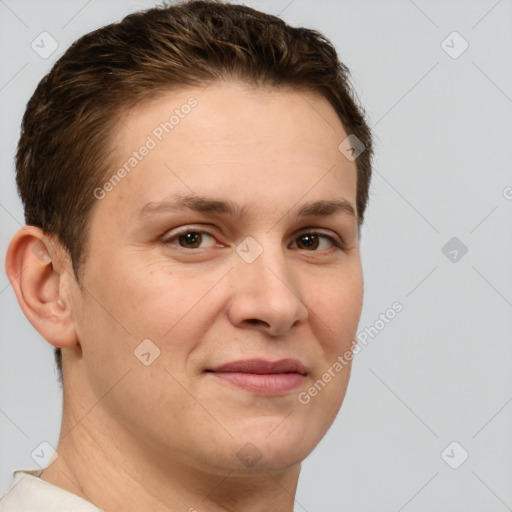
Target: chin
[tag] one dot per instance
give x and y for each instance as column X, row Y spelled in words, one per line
column 274, row 445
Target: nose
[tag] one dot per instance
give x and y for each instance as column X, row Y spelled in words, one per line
column 266, row 294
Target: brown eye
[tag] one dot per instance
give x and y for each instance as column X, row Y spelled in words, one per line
column 308, row 241
column 192, row 239
column 315, row 241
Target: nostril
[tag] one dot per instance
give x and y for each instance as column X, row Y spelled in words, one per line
column 256, row 321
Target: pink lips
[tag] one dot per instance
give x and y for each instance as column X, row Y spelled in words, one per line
column 262, row 377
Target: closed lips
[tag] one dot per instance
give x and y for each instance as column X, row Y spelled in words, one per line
column 261, row 377
column 261, row 366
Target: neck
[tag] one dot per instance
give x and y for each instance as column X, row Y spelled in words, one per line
column 104, row 464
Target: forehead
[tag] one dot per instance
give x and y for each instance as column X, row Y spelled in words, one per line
column 260, row 146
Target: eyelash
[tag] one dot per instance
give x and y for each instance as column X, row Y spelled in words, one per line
column 175, row 236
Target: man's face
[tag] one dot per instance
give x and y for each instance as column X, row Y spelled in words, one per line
column 208, row 288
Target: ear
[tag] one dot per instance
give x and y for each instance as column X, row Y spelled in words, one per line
column 38, row 271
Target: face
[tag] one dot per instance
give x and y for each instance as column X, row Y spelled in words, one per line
column 230, row 245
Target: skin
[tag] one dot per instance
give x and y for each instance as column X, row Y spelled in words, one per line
column 166, row 436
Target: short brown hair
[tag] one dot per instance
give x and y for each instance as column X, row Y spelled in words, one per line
column 63, row 151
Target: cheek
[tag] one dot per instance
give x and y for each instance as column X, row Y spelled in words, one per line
column 145, row 302
column 337, row 312
column 120, row 310
column 336, row 306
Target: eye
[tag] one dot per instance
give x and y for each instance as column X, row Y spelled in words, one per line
column 190, row 239
column 312, row 240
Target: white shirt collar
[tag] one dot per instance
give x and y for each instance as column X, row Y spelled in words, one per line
column 28, row 493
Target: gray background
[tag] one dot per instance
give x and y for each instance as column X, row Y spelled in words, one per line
column 440, row 370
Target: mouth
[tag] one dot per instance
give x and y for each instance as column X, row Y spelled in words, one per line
column 262, row 377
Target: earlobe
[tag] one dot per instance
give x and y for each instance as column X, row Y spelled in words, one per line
column 38, row 284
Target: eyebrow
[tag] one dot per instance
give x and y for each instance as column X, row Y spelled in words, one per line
column 229, row 208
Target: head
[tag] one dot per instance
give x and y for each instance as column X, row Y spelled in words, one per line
column 227, row 122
